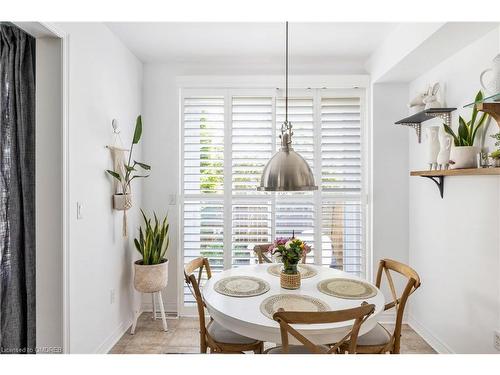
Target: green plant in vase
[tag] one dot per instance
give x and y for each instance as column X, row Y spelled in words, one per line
column 467, row 131
column 495, row 155
column 130, row 166
column 125, row 173
column 463, row 152
column 153, row 242
column 289, row 251
column 151, row 271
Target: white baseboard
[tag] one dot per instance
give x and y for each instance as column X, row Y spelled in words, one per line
column 384, row 318
column 431, row 339
column 389, row 317
column 117, row 334
column 169, row 310
column 113, row 338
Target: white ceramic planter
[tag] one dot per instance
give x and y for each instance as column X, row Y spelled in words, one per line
column 464, row 157
column 151, row 278
column 122, row 202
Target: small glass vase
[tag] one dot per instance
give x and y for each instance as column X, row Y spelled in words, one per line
column 290, row 268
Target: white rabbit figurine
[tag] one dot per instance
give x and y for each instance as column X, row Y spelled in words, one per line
column 417, row 103
column 430, row 98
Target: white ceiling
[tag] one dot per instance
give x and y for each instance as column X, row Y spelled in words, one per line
column 175, row 42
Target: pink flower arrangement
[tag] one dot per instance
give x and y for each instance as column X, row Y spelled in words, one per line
column 289, row 251
column 278, row 241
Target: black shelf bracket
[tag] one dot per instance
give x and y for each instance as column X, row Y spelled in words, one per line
column 439, row 181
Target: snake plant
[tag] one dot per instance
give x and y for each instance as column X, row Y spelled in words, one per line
column 153, row 240
column 467, row 130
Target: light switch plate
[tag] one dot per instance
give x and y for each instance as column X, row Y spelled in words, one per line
column 79, row 211
column 172, row 199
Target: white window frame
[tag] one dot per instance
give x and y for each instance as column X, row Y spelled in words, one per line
column 266, row 86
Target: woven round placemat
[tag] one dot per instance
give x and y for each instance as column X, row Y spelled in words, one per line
column 347, row 288
column 304, row 270
column 291, row 302
column 241, row 286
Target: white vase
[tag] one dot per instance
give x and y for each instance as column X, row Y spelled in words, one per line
column 491, row 84
column 443, row 158
column 150, row 278
column 464, row 157
column 431, row 135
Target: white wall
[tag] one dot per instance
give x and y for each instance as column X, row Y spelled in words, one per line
column 414, row 48
column 389, row 178
column 161, row 150
column 105, row 82
column 49, row 256
column 454, row 242
column 405, row 38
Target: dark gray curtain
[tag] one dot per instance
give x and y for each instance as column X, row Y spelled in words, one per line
column 17, row 191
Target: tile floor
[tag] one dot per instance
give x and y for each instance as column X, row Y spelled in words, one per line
column 183, row 337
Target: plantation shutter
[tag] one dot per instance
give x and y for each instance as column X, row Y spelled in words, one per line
column 203, row 176
column 228, row 139
column 341, row 217
column 342, row 235
column 296, row 216
column 203, row 145
column 251, row 225
column 252, row 142
column 252, row 147
column 341, row 145
column 203, row 235
column 300, row 115
column 295, row 212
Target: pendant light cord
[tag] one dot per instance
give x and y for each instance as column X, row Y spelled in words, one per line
column 286, row 74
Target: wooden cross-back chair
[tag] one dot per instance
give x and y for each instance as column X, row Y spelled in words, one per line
column 261, row 251
column 213, row 335
column 380, row 340
column 286, row 318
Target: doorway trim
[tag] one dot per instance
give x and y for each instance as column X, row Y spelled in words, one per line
column 41, row 30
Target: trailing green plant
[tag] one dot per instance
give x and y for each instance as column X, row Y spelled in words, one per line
column 130, row 166
column 496, row 137
column 153, row 240
column 467, row 131
column 495, row 154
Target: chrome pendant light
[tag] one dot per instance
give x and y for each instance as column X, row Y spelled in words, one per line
column 287, row 170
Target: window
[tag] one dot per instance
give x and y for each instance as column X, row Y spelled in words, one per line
column 229, row 136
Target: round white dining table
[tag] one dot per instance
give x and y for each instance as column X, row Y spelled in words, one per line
column 243, row 315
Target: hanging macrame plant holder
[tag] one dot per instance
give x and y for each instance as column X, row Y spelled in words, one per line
column 122, row 200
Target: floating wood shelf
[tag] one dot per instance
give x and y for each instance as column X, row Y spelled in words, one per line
column 493, row 109
column 458, row 172
column 438, row 176
column 489, row 105
column 415, row 121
